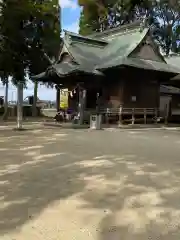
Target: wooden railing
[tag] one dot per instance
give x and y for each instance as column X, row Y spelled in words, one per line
column 128, row 111
column 134, row 113
column 123, row 113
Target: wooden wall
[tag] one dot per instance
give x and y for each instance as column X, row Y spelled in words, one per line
column 132, row 92
column 175, row 104
column 145, row 94
column 113, row 94
column 120, row 89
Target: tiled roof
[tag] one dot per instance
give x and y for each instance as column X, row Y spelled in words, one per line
column 111, row 48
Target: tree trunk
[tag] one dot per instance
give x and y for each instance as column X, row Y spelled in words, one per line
column 19, row 106
column 5, row 115
column 34, row 107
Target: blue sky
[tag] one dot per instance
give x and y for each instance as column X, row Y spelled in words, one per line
column 70, row 13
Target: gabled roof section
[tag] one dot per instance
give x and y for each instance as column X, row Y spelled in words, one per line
column 174, row 60
column 100, row 51
column 111, row 48
column 169, row 89
column 123, row 45
column 106, row 46
column 125, row 39
column 84, row 50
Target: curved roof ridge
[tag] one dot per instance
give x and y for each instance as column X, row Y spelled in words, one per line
column 124, row 27
column 86, row 39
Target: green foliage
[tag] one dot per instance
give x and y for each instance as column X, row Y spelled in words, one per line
column 162, row 16
column 14, row 50
column 28, row 28
column 164, row 21
column 100, row 15
column 44, row 36
column 88, row 23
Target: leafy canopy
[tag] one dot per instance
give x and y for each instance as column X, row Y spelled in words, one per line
column 162, row 16
column 28, row 29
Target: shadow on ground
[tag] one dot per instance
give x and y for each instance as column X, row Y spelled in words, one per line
column 139, row 204
column 139, row 199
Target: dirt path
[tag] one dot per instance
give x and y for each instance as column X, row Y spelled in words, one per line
column 77, row 184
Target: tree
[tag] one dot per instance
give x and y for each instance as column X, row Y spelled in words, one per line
column 162, row 16
column 89, row 19
column 100, row 15
column 32, row 29
column 14, row 44
column 6, row 84
column 164, row 19
column 4, row 75
column 44, row 40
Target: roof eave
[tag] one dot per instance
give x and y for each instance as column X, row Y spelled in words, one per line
column 176, row 78
column 39, row 76
column 69, row 34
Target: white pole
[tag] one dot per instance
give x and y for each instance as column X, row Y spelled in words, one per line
column 19, row 105
column 34, row 107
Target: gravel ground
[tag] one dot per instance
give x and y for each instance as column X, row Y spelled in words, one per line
column 96, row 185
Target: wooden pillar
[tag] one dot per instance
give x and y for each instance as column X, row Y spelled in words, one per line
column 57, row 97
column 107, row 116
column 19, row 105
column 156, row 115
column 98, row 103
column 82, row 102
column 120, row 115
column 145, row 116
column 122, row 89
column 133, row 116
column 167, row 114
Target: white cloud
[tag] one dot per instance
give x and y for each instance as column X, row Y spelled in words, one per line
column 74, row 27
column 67, row 4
